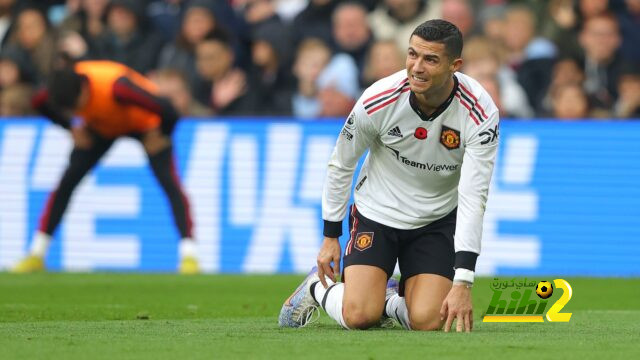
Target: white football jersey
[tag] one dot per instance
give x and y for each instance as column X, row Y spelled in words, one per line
column 419, row 167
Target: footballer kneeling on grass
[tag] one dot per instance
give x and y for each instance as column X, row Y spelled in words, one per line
column 419, row 199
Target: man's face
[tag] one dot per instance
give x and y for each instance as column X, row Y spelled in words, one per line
column 197, row 23
column 122, row 20
column 31, row 28
column 350, row 27
column 519, row 29
column 600, row 39
column 213, row 59
column 428, row 66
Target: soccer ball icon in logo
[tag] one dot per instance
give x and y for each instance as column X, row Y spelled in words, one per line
column 544, row 289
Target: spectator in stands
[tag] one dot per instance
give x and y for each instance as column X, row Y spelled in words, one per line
column 270, row 79
column 167, row 16
column 15, row 68
column 351, row 34
column 396, row 19
column 492, row 22
column 173, row 85
column 222, row 85
column 81, row 30
column 338, row 87
column 482, row 60
column 314, row 21
column 569, row 102
column 129, row 39
column 15, row 100
column 34, row 36
column 600, row 39
column 529, row 55
column 628, row 104
column 566, row 71
column 561, row 26
column 460, row 13
column 384, row 59
column 312, row 57
column 327, row 85
column 198, row 21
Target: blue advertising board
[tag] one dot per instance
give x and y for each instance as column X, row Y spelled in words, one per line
column 563, row 201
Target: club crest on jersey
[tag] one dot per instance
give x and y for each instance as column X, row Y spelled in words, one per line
column 420, row 133
column 350, row 124
column 364, row 240
column 450, row 138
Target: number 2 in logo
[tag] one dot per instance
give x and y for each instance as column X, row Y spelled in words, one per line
column 554, row 313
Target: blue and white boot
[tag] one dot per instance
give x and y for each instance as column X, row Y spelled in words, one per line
column 300, row 309
column 393, row 287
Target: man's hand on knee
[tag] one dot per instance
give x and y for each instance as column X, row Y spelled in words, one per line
column 457, row 305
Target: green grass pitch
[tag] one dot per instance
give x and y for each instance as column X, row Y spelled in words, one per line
column 157, row 316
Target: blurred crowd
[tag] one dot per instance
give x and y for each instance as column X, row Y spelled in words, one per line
column 566, row 59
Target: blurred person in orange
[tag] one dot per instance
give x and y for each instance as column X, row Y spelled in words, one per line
column 112, row 101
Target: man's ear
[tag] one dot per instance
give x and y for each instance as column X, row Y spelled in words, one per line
column 455, row 65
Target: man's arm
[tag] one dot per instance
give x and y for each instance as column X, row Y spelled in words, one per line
column 356, row 135
column 127, row 93
column 41, row 103
column 473, row 189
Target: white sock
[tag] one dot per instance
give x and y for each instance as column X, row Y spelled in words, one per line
column 40, row 244
column 332, row 298
column 396, row 308
column 187, row 247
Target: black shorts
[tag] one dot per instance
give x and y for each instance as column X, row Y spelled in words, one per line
column 426, row 250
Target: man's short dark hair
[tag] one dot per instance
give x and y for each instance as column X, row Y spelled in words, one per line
column 444, row 32
column 64, row 87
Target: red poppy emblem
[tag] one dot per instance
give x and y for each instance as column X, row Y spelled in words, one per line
column 421, row 133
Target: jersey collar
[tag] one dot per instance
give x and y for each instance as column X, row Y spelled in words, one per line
column 414, row 103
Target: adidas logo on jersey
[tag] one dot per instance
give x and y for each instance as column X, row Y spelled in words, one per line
column 395, row 132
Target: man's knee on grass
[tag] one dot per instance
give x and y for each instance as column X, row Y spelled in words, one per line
column 357, row 316
column 425, row 319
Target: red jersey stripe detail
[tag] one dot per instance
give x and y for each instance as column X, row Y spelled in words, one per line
column 468, row 108
column 44, row 219
column 371, row 111
column 386, row 91
column 474, row 99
